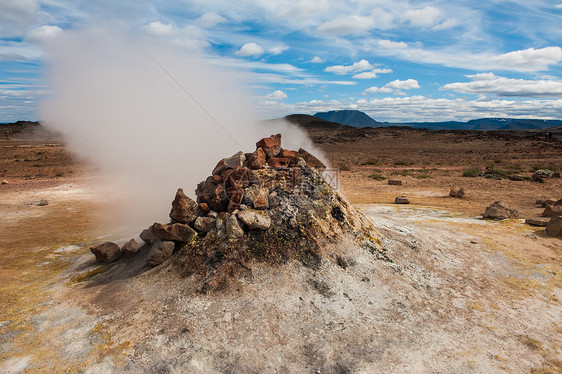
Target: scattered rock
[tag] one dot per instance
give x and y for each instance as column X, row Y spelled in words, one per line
column 544, row 202
column 401, row 200
column 160, row 252
column 544, row 172
column 500, row 210
column 457, row 192
column 204, row 224
column 42, row 202
column 554, row 226
column 552, row 211
column 130, row 248
column 177, row 232
column 4, row 181
column 147, row 236
column 394, row 182
column 184, row 210
column 537, row 178
column 516, row 178
column 536, row 222
column 254, row 219
column 106, row 252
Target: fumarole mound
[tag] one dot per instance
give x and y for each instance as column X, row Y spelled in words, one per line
column 272, row 206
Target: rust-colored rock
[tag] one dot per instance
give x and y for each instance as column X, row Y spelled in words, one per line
column 311, row 160
column 271, row 146
column 256, row 160
column 177, row 232
column 238, row 178
column 230, row 163
column 130, row 248
column 106, row 252
column 184, row 210
column 219, row 200
column 291, row 155
column 235, row 196
column 204, row 208
column 554, row 226
column 552, row 211
column 278, row 162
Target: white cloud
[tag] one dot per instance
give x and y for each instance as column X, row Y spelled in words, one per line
column 530, row 59
column 346, row 69
column 43, row 34
column 488, row 83
column 317, row 60
column 11, row 57
column 250, row 49
column 395, row 87
column 160, row 29
column 189, row 37
column 18, row 11
column 559, row 6
column 277, row 95
column 424, row 17
column 348, row 25
column 383, row 20
column 447, row 24
column 278, row 49
column 210, row 19
column 371, row 74
column 389, row 44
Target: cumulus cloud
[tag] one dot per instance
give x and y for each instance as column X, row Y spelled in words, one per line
column 530, row 59
column 189, row 37
column 348, row 25
column 317, row 60
column 371, row 74
column 210, row 19
column 346, row 69
column 424, row 17
column 160, row 29
column 277, row 95
column 43, row 34
column 250, row 49
column 488, row 83
column 397, row 86
column 389, row 44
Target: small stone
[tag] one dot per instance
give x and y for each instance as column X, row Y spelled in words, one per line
column 130, row 248
column 278, row 162
column 457, row 192
column 147, row 236
column 394, row 182
column 271, row 146
column 184, row 209
column 516, row 178
column 173, row 232
column 536, row 222
column 256, row 160
column 301, row 163
column 257, row 197
column 204, row 224
column 552, row 211
column 500, row 210
column 233, row 227
column 5, row 182
column 235, row 197
column 401, row 200
column 537, row 178
column 160, row 252
column 43, row 202
column 204, row 208
column 106, row 252
column 554, row 226
column 254, row 219
column 212, row 214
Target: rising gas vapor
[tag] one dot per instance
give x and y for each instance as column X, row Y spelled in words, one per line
column 151, row 118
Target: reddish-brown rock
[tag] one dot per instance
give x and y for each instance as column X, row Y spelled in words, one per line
column 177, row 232
column 204, row 208
column 291, row 155
column 238, row 178
column 256, row 160
column 184, row 210
column 230, row 163
column 218, row 201
column 235, row 196
column 106, row 252
column 278, row 162
column 554, row 226
column 552, row 211
column 311, row 160
column 130, row 248
column 271, row 146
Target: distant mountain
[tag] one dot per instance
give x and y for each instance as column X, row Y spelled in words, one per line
column 357, row 118
column 353, row 118
column 306, row 121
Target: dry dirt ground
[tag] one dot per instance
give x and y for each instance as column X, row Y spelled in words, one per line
column 457, row 294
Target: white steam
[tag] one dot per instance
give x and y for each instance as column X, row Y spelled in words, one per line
column 151, row 118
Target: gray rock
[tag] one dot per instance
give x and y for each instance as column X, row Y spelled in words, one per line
column 130, row 248
column 401, row 200
column 106, row 252
column 536, row 222
column 394, row 182
column 554, row 227
column 160, row 252
column 254, row 219
column 204, row 224
column 233, row 227
column 500, row 210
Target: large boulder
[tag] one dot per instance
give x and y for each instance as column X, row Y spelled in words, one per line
column 500, row 210
column 184, row 209
column 177, row 232
column 106, row 252
column 554, row 226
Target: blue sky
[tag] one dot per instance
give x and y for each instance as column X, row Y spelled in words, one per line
column 395, row 60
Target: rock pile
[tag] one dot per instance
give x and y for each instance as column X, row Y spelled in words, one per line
column 271, row 205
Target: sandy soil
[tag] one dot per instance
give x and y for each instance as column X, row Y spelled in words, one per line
column 459, row 294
